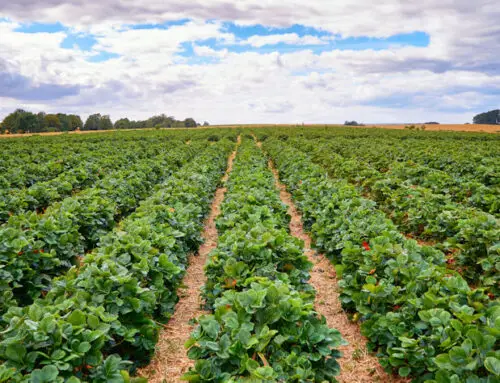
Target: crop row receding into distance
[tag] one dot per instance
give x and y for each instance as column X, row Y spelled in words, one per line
column 310, row 237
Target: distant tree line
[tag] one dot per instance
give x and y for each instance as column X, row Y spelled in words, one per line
column 160, row 121
column 352, row 123
column 22, row 121
column 490, row 118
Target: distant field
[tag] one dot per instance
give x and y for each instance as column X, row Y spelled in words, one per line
column 443, row 127
column 452, row 127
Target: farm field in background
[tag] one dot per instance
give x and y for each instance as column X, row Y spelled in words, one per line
column 481, row 128
column 251, row 254
column 478, row 128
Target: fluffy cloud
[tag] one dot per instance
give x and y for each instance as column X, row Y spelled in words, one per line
column 19, row 87
column 163, row 42
column 202, row 68
column 349, row 18
column 205, row 51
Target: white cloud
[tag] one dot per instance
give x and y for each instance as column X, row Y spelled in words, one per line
column 134, row 42
column 455, row 71
column 205, row 51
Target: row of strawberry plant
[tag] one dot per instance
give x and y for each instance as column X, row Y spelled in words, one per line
column 101, row 319
column 33, row 163
column 483, row 194
column 464, row 156
column 422, row 319
column 470, row 236
column 23, row 163
column 36, row 248
column 91, row 169
column 263, row 327
column 26, row 161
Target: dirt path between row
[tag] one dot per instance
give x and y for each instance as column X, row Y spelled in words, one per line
column 356, row 364
column 170, row 361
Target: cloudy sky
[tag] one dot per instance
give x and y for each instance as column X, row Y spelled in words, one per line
column 244, row 61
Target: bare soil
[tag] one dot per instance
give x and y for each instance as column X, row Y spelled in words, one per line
column 357, row 365
column 170, row 361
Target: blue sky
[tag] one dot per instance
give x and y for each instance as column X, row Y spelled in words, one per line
column 223, row 62
column 87, row 41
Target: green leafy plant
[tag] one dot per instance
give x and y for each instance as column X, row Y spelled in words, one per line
column 413, row 309
column 264, row 327
column 97, row 320
column 267, row 332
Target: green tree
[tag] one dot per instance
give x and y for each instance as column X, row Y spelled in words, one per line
column 65, row 122
column 352, row 123
column 53, row 122
column 123, row 123
column 162, row 121
column 491, row 118
column 20, row 121
column 75, row 122
column 138, row 124
column 42, row 124
column 98, row 122
column 93, row 122
column 10, row 123
column 29, row 122
column 106, row 123
column 155, row 121
column 189, row 123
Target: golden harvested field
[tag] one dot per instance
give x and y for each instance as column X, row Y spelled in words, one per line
column 442, row 127
column 449, row 127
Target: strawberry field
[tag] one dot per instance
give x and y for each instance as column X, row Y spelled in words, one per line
column 100, row 233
